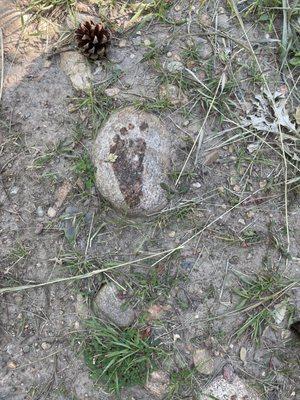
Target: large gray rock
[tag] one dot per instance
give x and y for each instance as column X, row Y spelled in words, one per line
column 109, row 303
column 132, row 159
column 221, row 389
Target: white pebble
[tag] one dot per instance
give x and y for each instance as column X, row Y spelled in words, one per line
column 51, row 212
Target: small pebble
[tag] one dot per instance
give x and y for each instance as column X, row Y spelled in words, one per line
column 14, row 190
column 243, row 354
column 186, row 123
column 177, row 7
column 172, row 234
column 241, row 221
column 39, row 229
column 45, row 346
column 196, row 185
column 236, row 188
column 139, row 33
column 263, row 184
column 40, row 211
column 169, row 54
column 250, row 214
column 132, row 55
column 51, row 212
column 112, row 92
column 147, row 42
column 26, row 349
column 122, row 43
column 11, row 365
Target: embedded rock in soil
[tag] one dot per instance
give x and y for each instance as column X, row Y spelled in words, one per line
column 203, row 361
column 158, row 384
column 173, row 94
column 221, row 389
column 77, row 68
column 109, row 303
column 132, row 160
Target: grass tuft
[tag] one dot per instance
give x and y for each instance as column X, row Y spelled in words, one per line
column 118, row 358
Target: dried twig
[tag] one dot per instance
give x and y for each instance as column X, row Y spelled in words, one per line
column 1, row 63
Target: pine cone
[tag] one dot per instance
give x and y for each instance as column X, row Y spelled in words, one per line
column 92, row 39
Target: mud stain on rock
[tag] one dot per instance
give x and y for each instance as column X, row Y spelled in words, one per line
column 128, row 167
column 144, row 126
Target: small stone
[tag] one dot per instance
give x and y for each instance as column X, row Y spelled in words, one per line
column 211, row 157
column 186, row 123
column 222, row 389
column 132, row 56
column 228, row 373
column 110, row 303
column 205, row 50
column 174, row 66
column 263, row 184
column 204, row 19
column 236, row 188
column 250, row 214
column 45, row 346
column 112, row 92
column 279, row 312
column 26, row 349
column 122, row 43
column 177, row 8
column 285, row 334
column 51, row 212
column 223, row 21
column 147, row 42
column 253, row 146
column 241, row 221
column 39, row 229
column 14, row 190
column 243, row 354
column 40, row 211
column 203, row 361
column 172, row 234
column 158, row 384
column 75, row 65
column 11, row 365
column 232, row 180
column 139, row 33
column 173, row 94
column 169, row 54
column 196, row 185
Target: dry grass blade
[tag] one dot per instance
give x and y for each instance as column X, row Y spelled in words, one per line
column 199, row 139
column 165, row 254
column 269, row 93
column 1, row 63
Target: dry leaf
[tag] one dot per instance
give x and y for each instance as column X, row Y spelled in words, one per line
column 268, row 113
column 156, row 311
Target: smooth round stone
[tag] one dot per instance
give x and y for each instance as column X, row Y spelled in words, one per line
column 132, row 157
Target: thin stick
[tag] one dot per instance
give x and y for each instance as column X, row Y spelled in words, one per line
column 2, row 63
column 165, row 254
